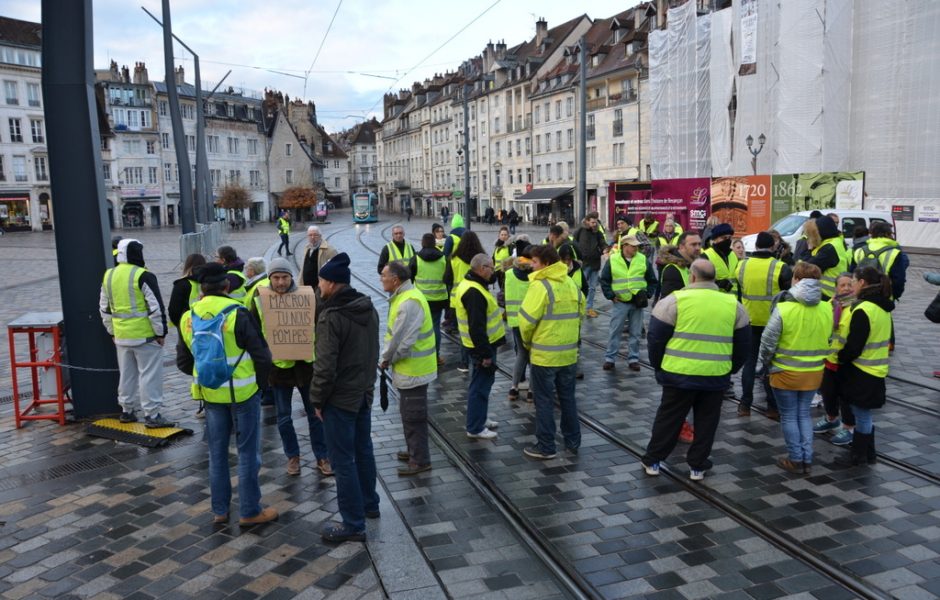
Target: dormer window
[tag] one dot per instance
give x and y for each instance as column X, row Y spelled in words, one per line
column 595, row 60
column 618, row 35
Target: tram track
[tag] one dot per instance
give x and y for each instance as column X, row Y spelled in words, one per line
column 815, row 560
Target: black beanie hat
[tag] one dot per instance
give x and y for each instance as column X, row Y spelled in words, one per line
column 336, row 269
column 765, row 241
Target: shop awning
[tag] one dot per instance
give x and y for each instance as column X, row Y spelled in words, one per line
column 542, row 195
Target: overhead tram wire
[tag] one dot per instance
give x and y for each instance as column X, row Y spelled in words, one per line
column 435, row 51
column 357, row 71
column 323, row 41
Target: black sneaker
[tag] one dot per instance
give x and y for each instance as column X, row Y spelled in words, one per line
column 534, row 452
column 128, row 417
column 157, row 421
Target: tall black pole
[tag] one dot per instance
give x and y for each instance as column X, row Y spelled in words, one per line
column 202, row 167
column 82, row 232
column 187, row 218
column 466, row 154
column 582, row 143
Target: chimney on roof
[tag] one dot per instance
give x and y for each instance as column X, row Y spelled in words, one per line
column 179, row 75
column 125, row 74
column 115, row 72
column 140, row 73
column 489, row 56
column 501, row 50
column 541, row 31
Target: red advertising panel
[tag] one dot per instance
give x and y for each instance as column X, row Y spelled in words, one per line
column 742, row 202
column 685, row 200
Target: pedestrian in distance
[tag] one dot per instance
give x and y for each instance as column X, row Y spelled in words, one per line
column 344, row 374
column 445, row 214
column 480, row 325
column 283, row 231
column 517, row 283
column 184, row 295
column 286, row 375
column 502, row 252
column 793, row 347
column 760, row 278
column 864, row 359
column 235, row 406
column 317, row 253
column 234, row 267
column 624, row 281
column 591, row 246
column 397, row 250
column 513, row 221
column 132, row 312
column 839, row 419
column 550, row 328
column 430, row 268
column 698, row 336
column 410, row 353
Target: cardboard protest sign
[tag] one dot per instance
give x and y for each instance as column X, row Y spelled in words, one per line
column 289, row 322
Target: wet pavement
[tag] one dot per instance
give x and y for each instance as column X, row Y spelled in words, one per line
column 86, row 517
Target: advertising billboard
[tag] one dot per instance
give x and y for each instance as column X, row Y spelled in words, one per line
column 742, row 202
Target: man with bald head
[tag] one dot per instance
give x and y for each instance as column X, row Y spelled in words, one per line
column 698, row 337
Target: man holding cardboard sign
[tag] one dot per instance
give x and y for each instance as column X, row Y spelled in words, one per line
column 286, row 312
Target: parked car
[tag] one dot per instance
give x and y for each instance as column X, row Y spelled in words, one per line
column 791, row 226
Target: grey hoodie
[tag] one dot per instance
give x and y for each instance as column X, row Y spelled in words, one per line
column 807, row 292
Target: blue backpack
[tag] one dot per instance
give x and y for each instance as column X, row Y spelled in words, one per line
column 208, row 347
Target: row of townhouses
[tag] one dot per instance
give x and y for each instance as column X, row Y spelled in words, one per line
column 523, row 122
column 266, row 143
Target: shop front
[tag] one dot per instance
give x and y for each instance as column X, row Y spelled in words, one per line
column 14, row 212
column 544, row 206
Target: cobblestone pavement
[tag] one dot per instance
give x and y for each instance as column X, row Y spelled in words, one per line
column 86, row 517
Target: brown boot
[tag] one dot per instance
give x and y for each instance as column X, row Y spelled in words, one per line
column 266, row 514
column 788, row 465
column 293, row 466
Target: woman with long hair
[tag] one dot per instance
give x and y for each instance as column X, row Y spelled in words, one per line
column 834, row 402
column 185, row 293
column 864, row 360
column 468, row 247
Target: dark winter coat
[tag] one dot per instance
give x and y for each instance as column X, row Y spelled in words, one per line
column 179, row 299
column 475, row 304
column 670, row 280
column 590, row 245
column 861, row 388
column 347, row 351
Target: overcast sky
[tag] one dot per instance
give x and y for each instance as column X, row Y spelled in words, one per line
column 372, row 38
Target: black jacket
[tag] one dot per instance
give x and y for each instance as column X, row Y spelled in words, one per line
column 670, row 280
column 234, row 281
column 862, row 389
column 248, row 337
column 347, row 351
column 475, row 304
column 179, row 299
column 383, row 257
column 432, row 255
column 590, row 245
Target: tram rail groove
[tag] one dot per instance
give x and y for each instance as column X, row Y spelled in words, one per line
column 793, row 548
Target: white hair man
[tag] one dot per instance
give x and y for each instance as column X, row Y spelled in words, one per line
column 317, row 254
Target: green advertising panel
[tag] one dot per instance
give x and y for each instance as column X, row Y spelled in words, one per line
column 815, row 191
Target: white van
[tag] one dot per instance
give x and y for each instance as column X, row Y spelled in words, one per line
column 790, row 227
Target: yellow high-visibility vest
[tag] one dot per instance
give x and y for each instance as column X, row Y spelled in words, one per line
column 759, row 279
column 422, row 359
column 804, row 341
column 875, row 356
column 703, row 338
column 494, row 318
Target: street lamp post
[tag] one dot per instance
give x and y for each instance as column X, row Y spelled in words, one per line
column 761, row 139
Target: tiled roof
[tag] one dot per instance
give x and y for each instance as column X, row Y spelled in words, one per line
column 14, row 32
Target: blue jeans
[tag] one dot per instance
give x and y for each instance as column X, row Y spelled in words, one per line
column 349, row 438
column 285, row 422
column 478, row 396
column 619, row 313
column 796, row 423
column 219, row 427
column 522, row 359
column 436, row 323
column 748, row 373
column 546, row 382
column 863, row 419
column 590, row 274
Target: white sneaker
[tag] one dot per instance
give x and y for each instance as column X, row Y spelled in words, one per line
column 491, row 424
column 817, row 401
column 485, row 434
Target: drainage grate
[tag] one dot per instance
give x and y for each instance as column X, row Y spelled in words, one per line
column 56, row 472
column 8, row 399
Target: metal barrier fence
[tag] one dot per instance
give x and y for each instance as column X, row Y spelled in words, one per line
column 205, row 241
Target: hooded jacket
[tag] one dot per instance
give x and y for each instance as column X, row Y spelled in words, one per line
column 670, row 280
column 347, row 350
column 132, row 252
column 807, row 292
column 457, row 228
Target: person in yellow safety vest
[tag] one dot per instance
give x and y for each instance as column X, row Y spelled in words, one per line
column 430, row 268
column 669, row 236
column 184, row 295
column 517, row 282
column 480, row 324
column 409, row 351
column 793, row 348
column 698, row 336
column 672, row 217
column 834, row 403
column 725, row 261
column 235, row 406
column 283, row 230
column 830, row 255
column 550, row 327
column 760, row 278
column 864, row 360
column 468, row 247
column 674, row 262
column 234, row 266
column 883, row 250
column 132, row 313
column 649, row 225
column 287, row 375
column 397, row 250
column 502, row 252
column 440, row 238
column 451, row 244
column 625, row 280
column 624, row 228
column 256, row 277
